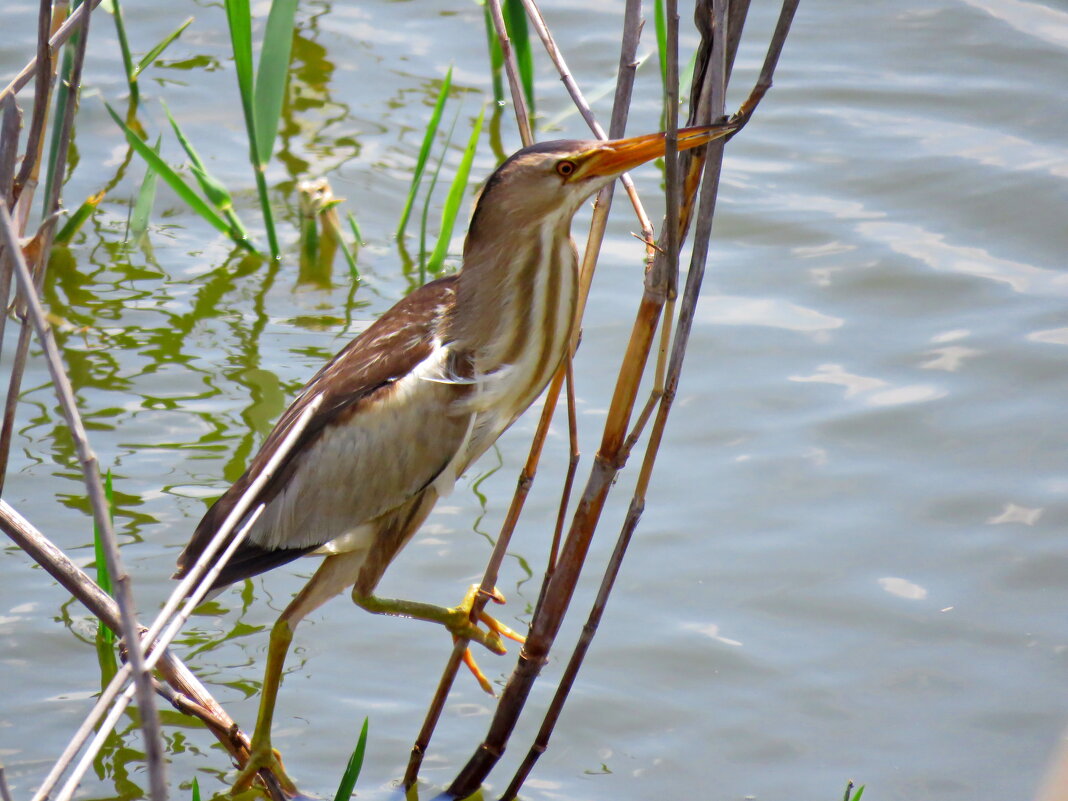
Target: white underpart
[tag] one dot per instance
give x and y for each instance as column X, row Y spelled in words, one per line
column 337, row 516
column 355, row 472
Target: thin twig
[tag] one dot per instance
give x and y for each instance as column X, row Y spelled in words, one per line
column 602, row 205
column 694, row 278
column 5, row 791
column 65, row 31
column 91, row 473
column 538, row 21
column 522, row 115
column 191, row 590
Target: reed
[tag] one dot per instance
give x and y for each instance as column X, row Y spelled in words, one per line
column 263, row 92
column 654, row 331
column 353, row 768
column 103, row 577
column 424, row 151
column 455, row 199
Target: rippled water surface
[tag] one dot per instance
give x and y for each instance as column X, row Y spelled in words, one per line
column 853, row 562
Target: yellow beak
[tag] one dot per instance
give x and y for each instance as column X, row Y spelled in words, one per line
column 619, row 155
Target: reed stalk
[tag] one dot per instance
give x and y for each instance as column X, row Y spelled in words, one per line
column 91, row 473
column 608, row 462
column 626, row 73
column 519, row 105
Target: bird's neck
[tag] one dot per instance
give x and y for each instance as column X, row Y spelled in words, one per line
column 515, row 301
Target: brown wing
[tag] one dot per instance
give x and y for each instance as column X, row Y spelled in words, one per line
column 367, row 368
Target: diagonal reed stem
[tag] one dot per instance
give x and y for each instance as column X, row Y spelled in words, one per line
column 91, row 473
column 602, row 205
column 607, row 464
column 722, row 59
column 191, row 590
column 519, row 104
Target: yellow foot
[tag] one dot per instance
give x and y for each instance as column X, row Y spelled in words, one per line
column 263, row 758
column 465, row 628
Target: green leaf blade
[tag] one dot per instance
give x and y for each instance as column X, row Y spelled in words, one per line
column 157, row 51
column 146, row 199
column 424, row 151
column 661, row 40
column 455, row 199
column 103, row 577
column 272, row 75
column 352, row 770
column 171, row 177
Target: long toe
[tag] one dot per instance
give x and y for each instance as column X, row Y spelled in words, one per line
column 476, row 671
column 263, row 757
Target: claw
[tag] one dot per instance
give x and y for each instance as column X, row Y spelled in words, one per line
column 476, row 671
column 495, row 625
column 263, row 757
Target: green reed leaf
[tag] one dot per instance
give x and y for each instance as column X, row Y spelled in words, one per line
column 172, row 178
column 103, row 578
column 146, row 198
column 239, row 18
column 424, row 151
column 271, row 76
column 661, row 40
column 355, row 228
column 430, row 194
column 115, row 9
column 352, row 770
column 156, row 51
column 78, row 218
column 455, row 198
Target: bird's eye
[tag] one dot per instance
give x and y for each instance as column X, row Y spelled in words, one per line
column 565, row 168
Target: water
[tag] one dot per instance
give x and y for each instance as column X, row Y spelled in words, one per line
column 852, row 562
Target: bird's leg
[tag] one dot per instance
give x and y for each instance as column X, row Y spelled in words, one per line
column 330, row 579
column 457, row 619
column 261, row 754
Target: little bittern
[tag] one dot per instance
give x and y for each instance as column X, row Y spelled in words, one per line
column 421, row 394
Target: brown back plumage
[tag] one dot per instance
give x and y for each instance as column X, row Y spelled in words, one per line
column 387, row 351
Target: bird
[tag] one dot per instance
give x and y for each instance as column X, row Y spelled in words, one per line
column 414, row 399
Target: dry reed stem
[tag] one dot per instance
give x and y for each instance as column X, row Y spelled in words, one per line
column 561, row 587
column 61, row 35
column 5, row 791
column 190, row 592
column 22, row 187
column 519, row 105
column 580, row 103
column 10, row 120
column 94, row 486
column 602, row 204
column 48, row 19
column 538, row 21
column 694, row 279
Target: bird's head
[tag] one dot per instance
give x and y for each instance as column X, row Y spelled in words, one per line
column 550, row 180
